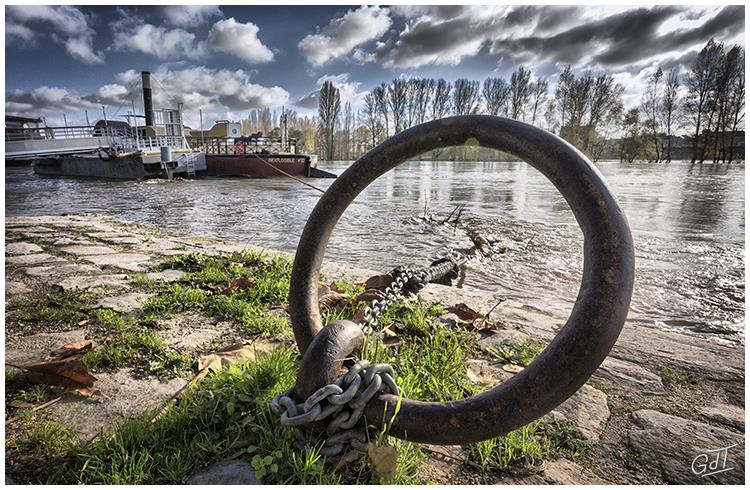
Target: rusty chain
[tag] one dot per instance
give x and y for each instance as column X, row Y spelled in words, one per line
column 344, row 399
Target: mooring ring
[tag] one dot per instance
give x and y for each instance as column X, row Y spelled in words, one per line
column 580, row 346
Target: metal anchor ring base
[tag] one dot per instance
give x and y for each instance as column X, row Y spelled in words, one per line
column 573, row 355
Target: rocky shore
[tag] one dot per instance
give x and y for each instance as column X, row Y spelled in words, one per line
column 665, row 407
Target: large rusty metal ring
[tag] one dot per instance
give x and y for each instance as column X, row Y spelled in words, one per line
column 581, row 345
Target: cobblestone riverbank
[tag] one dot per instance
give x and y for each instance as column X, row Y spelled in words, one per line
column 662, row 408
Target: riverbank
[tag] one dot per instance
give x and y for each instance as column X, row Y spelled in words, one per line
column 657, row 403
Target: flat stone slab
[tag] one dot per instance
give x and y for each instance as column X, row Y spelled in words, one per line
column 623, row 375
column 230, row 472
column 33, row 259
column 730, row 415
column 167, row 275
column 65, row 241
column 127, row 303
column 30, row 348
column 109, row 281
column 22, row 248
column 587, row 409
column 16, row 288
column 128, row 397
column 83, row 250
column 503, row 337
column 683, row 450
column 51, row 273
column 130, row 262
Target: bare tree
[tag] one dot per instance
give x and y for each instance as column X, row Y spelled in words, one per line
column 441, row 99
column 495, row 92
column 669, row 105
column 421, row 91
column 465, row 96
column 651, row 103
column 539, row 95
column 329, row 108
column 700, row 84
column 380, row 93
column 370, row 117
column 736, row 104
column 520, row 91
column 397, row 102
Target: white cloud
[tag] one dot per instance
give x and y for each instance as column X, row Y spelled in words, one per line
column 190, row 15
column 60, row 23
column 348, row 89
column 219, row 93
column 157, row 41
column 240, row 40
column 345, row 33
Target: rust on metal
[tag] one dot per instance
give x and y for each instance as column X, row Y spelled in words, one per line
column 573, row 355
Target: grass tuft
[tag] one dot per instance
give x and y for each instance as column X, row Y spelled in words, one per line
column 672, row 376
column 521, row 353
column 530, row 445
column 138, row 347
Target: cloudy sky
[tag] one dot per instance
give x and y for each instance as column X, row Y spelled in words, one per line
column 228, row 60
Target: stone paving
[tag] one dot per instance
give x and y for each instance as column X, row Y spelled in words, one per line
column 644, row 427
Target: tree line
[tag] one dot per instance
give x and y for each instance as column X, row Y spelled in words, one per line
column 696, row 116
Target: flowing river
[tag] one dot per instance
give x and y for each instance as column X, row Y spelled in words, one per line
column 687, row 220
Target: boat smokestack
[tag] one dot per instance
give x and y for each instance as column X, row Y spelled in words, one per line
column 148, row 103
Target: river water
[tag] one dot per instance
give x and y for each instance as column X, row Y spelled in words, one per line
column 687, row 221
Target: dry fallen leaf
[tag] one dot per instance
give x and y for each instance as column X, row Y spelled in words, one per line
column 463, row 312
column 379, row 282
column 369, row 295
column 93, row 394
column 71, row 349
column 228, row 355
column 512, row 368
column 68, row 373
column 384, row 461
column 333, row 300
column 239, row 284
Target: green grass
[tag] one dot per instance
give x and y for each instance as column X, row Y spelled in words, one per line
column 138, row 347
column 142, row 281
column 54, row 310
column 521, row 353
column 175, row 299
column 530, row 445
column 414, row 316
column 349, row 288
column 673, row 376
column 229, row 415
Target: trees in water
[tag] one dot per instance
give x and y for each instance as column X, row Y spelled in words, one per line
column 586, row 108
column 715, row 101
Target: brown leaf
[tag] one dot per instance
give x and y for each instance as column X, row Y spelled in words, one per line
column 369, row 295
column 229, row 355
column 239, row 284
column 379, row 282
column 384, row 461
column 512, row 368
column 462, row 311
column 333, row 300
column 93, row 394
column 20, row 404
column 68, row 373
column 71, row 349
column 334, row 287
column 83, row 322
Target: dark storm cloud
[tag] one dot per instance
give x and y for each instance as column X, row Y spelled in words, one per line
column 623, row 33
column 309, row 101
column 729, row 21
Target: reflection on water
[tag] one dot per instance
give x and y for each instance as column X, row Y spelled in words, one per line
column 687, row 222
